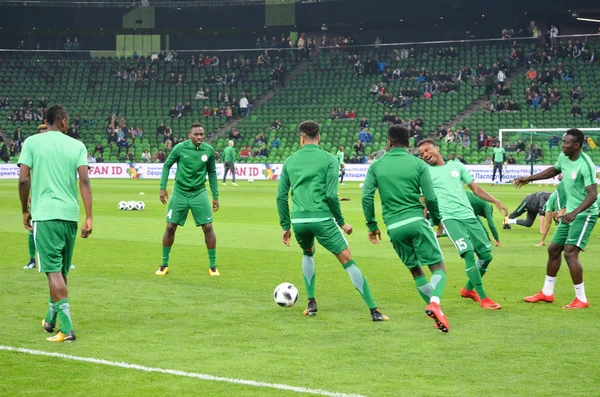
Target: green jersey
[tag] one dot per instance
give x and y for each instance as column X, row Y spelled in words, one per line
column 400, row 192
column 485, row 210
column 311, row 174
column 557, row 200
column 340, row 156
column 229, row 154
column 577, row 175
column 499, row 154
column 448, row 183
column 193, row 164
column 53, row 158
column 455, row 160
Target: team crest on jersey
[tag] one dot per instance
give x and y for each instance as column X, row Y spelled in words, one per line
column 455, row 174
column 574, row 175
column 204, row 158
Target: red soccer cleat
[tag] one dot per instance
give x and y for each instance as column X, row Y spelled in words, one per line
column 433, row 310
column 539, row 297
column 489, row 304
column 577, row 304
column 472, row 294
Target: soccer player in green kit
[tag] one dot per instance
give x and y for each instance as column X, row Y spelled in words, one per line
column 484, row 209
column 195, row 159
column 498, row 161
column 340, row 156
column 410, row 234
column 229, row 163
column 459, row 221
column 311, row 174
column 50, row 164
column 553, row 209
column 576, row 225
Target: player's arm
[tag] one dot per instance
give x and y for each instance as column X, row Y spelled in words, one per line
column 25, row 163
column 85, row 188
column 283, row 206
column 482, row 194
column 489, row 216
column 429, row 196
column 331, row 192
column 487, row 235
column 164, row 175
column 548, row 173
column 211, row 168
column 368, row 205
column 590, row 199
column 547, row 223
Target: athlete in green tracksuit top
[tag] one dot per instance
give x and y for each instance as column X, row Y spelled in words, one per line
column 410, row 234
column 311, row 174
column 459, row 221
column 229, row 163
column 484, row 209
column 195, row 159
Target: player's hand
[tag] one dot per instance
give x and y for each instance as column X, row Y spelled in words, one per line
column 440, row 230
column 502, row 208
column 541, row 244
column 375, row 237
column 86, row 229
column 285, row 237
column 215, row 205
column 521, row 181
column 347, row 228
column 498, row 243
column 27, row 220
column 164, row 196
column 567, row 218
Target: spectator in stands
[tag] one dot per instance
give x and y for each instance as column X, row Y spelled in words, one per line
column 91, row 158
column 234, row 134
column 112, row 137
column 546, row 105
column 352, row 115
column 365, row 136
column 100, row 158
column 520, row 146
column 537, row 151
column 18, row 136
column 244, row 108
column 359, row 148
column 244, row 152
column 489, row 142
column 200, row 96
column 553, row 141
column 228, row 113
column 206, row 112
column 99, row 148
column 263, row 151
column 173, row 112
column 42, row 103
column 531, row 73
column 28, row 116
column 161, row 129
column 488, row 160
column 466, row 141
column 592, row 116
column 449, row 137
column 576, row 110
column 364, row 123
column 275, row 143
column 511, row 160
column 160, row 156
column 275, row 126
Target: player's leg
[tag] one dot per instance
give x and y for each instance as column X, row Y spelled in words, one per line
column 31, row 246
column 49, row 322
column 225, row 171
column 500, row 171
column 203, row 216
column 177, row 211
column 494, row 168
column 483, row 250
column 579, row 234
column 517, row 212
column 306, row 239
column 528, row 222
column 233, row 174
column 401, row 241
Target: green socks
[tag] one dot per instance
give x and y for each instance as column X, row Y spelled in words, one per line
column 166, row 254
column 308, row 273
column 438, row 283
column 423, row 288
column 31, row 244
column 482, row 266
column 212, row 257
column 473, row 274
column 51, row 315
column 64, row 316
column 360, row 283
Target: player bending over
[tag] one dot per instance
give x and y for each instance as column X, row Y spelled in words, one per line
column 459, row 221
column 311, row 174
column 575, row 227
column 195, row 158
column 412, row 238
column 533, row 204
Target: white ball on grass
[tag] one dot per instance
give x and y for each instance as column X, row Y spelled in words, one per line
column 250, row 180
column 285, row 294
column 361, row 185
column 122, row 205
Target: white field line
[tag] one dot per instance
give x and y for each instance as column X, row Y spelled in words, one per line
column 212, row 378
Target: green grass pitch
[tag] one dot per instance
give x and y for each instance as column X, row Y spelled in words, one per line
column 230, row 326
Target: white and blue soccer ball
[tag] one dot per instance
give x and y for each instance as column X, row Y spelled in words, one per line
column 250, row 180
column 140, row 205
column 123, row 205
column 285, row 294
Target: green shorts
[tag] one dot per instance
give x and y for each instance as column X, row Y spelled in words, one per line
column 180, row 204
column 467, row 235
column 328, row 234
column 415, row 243
column 576, row 233
column 54, row 242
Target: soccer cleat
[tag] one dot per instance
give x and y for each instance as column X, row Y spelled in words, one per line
column 311, row 308
column 213, row 271
column 539, row 297
column 577, row 304
column 505, row 224
column 30, row 265
column 162, row 271
column 472, row 294
column 489, row 304
column 433, row 310
column 72, row 267
column 378, row 316
column 60, row 337
column 48, row 327
column 234, row 184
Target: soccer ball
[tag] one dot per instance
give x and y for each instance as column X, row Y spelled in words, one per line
column 131, row 205
column 250, row 180
column 285, row 294
column 140, row 205
column 361, row 185
column 123, row 205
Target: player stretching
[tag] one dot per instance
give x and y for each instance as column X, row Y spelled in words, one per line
column 50, row 164
column 575, row 226
column 459, row 221
column 229, row 163
column 195, row 158
column 410, row 234
column 484, row 209
column 532, row 203
column 311, row 174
